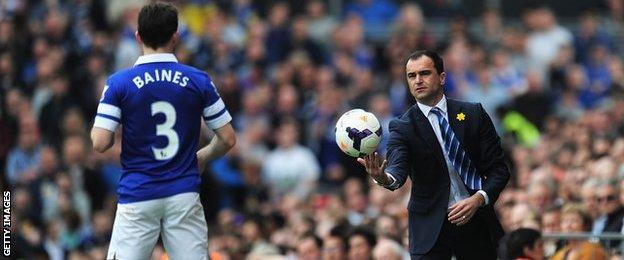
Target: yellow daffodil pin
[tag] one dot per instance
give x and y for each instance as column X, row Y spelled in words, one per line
column 461, row 116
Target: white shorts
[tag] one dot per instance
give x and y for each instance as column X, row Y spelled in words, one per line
column 179, row 219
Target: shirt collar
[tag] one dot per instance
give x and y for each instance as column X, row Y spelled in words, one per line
column 426, row 109
column 156, row 57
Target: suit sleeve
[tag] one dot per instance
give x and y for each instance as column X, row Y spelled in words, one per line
column 398, row 157
column 492, row 164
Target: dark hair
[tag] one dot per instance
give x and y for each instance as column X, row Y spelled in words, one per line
column 338, row 233
column 317, row 240
column 519, row 239
column 157, row 23
column 438, row 63
column 369, row 235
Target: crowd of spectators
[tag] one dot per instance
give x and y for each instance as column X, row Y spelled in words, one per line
column 286, row 72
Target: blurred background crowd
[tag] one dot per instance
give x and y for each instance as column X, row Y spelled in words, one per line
column 550, row 76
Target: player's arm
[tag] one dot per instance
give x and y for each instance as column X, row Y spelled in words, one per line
column 223, row 140
column 102, row 139
column 107, row 118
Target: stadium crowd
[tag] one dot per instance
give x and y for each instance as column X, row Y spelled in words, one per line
column 286, row 71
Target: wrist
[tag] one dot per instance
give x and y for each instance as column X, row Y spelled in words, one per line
column 382, row 180
column 480, row 199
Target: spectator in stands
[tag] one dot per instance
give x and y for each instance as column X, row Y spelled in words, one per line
column 490, row 31
column 550, row 223
column 66, row 195
column 321, row 24
column 506, row 75
column 361, row 244
column 52, row 241
column 545, row 39
column 523, row 244
column 409, row 32
column 277, row 35
column 23, row 160
column 490, row 95
column 356, row 200
column 82, row 175
column 575, row 219
column 590, row 33
column 598, row 76
column 536, row 102
column 387, row 249
column 53, row 111
column 611, row 211
column 334, row 247
column 299, row 175
column 387, row 226
column 376, row 14
column 550, row 219
column 588, row 198
column 309, row 247
column 541, row 196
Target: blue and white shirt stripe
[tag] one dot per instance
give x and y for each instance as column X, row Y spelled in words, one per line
column 107, row 117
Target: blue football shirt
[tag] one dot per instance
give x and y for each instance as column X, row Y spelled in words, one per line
column 160, row 104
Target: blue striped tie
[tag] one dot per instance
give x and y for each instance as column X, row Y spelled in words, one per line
column 456, row 154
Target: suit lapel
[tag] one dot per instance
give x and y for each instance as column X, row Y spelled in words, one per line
column 425, row 130
column 459, row 127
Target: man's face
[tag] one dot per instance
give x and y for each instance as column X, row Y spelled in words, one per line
column 550, row 222
column 424, row 81
column 333, row 249
column 607, row 199
column 572, row 222
column 588, row 198
column 359, row 248
column 537, row 251
column 307, row 249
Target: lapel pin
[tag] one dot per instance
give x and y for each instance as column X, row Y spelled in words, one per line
column 461, row 116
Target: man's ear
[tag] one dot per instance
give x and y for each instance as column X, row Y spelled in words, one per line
column 442, row 78
column 174, row 39
column 137, row 37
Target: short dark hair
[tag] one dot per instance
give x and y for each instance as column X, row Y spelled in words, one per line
column 438, row 63
column 366, row 233
column 519, row 239
column 317, row 240
column 157, row 23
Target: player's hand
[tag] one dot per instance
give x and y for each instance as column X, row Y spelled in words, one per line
column 376, row 168
column 461, row 212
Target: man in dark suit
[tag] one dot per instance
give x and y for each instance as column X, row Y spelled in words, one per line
column 611, row 210
column 453, row 156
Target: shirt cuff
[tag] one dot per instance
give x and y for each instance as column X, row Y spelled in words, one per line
column 392, row 183
column 485, row 197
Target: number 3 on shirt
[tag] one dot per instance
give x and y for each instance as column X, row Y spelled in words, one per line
column 166, row 129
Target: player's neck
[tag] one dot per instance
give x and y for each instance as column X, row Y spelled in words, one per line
column 148, row 50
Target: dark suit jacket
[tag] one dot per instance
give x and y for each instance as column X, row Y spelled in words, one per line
column 614, row 224
column 413, row 151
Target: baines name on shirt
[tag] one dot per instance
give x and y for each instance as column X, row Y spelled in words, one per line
column 159, row 75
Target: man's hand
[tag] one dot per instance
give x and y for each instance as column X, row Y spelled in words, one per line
column 464, row 210
column 376, row 168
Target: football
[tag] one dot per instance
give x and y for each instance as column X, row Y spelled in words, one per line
column 358, row 133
